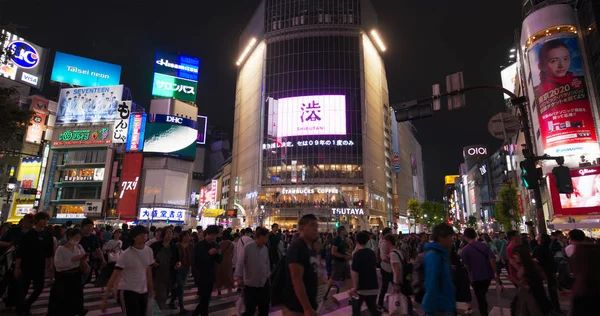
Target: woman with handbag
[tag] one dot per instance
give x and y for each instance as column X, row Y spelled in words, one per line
column 66, row 294
column 225, row 268
column 166, row 262
column 112, row 250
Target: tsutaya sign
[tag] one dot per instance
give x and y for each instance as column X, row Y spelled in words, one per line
column 348, row 211
column 310, row 191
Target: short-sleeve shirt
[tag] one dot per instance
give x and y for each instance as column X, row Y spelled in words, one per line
column 299, row 253
column 364, row 262
column 14, row 235
column 339, row 242
column 90, row 243
column 396, row 257
column 509, row 255
column 477, row 256
column 133, row 262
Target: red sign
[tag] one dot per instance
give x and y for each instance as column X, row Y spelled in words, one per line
column 561, row 97
column 129, row 185
column 585, row 199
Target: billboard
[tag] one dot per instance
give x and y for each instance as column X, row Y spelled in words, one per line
column 121, row 125
column 585, row 198
column 87, row 105
column 184, row 67
column 83, row 136
column 173, row 87
column 311, row 115
column 136, row 133
column 35, row 130
column 163, row 186
column 27, row 176
column 172, row 136
column 129, row 185
column 84, row 72
column 202, row 124
column 175, row 76
column 509, row 78
column 561, row 96
column 26, row 63
column 162, row 214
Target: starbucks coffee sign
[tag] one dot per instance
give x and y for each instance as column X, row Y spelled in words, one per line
column 348, row 211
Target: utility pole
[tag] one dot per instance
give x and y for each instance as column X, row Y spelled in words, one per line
column 422, row 108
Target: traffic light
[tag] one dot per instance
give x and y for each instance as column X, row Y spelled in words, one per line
column 337, row 224
column 529, row 174
column 564, row 184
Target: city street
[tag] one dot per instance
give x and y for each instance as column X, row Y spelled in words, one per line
column 225, row 304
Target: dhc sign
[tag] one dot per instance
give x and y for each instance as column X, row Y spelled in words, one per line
column 174, row 119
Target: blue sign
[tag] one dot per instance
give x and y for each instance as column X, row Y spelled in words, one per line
column 24, row 55
column 161, row 214
column 137, row 130
column 179, row 66
column 85, row 72
column 170, row 119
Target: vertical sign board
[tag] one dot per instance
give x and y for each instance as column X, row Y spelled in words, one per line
column 137, row 129
column 396, row 146
column 202, row 123
column 50, row 186
column 121, row 124
column 129, row 185
column 35, row 130
column 213, row 191
column 175, row 76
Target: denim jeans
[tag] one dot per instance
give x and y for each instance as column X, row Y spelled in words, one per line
column 180, row 277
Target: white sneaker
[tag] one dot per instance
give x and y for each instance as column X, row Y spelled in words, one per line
column 469, row 311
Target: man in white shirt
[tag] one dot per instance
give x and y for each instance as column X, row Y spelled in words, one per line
column 244, row 240
column 133, row 274
column 386, row 269
column 576, row 237
column 253, row 271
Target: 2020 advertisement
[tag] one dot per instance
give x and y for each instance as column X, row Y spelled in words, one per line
column 87, row 105
column 561, row 97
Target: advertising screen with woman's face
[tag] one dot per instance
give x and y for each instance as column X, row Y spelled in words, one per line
column 561, row 96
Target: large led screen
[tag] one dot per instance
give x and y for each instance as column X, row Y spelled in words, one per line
column 585, row 198
column 165, row 187
column 26, row 61
column 84, row 72
column 310, row 115
column 87, row 105
column 172, row 136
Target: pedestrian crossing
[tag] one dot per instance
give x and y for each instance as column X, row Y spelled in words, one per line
column 223, row 305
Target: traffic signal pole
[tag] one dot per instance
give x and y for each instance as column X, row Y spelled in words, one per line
column 519, row 102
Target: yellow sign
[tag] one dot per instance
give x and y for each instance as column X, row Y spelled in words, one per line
column 450, row 179
column 213, row 212
column 28, row 176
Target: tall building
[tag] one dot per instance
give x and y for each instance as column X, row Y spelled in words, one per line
column 312, row 117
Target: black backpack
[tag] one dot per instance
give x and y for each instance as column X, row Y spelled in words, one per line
column 279, row 277
column 407, row 271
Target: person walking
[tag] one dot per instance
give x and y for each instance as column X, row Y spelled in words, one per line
column 166, row 261
column 30, row 263
column 462, row 283
column 340, row 253
column 364, row 277
column 301, row 291
column 206, row 255
column 91, row 245
column 440, row 298
column 8, row 245
column 253, row 271
column 586, row 289
column 546, row 261
column 66, row 294
column 186, row 256
column 225, row 267
column 112, row 250
column 275, row 245
column 531, row 298
column 386, row 269
column 480, row 261
column 398, row 261
column 133, row 275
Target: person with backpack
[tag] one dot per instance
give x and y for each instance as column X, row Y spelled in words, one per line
column 341, row 259
column 401, row 270
column 480, row 261
column 364, row 277
column 386, row 269
column 439, row 294
column 275, row 245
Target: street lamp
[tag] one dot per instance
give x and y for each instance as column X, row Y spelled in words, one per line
column 11, row 186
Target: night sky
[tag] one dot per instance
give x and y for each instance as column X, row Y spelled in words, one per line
column 426, row 40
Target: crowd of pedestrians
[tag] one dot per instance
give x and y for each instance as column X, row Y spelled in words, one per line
column 147, row 269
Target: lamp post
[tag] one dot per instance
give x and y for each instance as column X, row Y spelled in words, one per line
column 11, row 186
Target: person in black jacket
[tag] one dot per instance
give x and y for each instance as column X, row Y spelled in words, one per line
column 166, row 261
column 544, row 257
column 206, row 255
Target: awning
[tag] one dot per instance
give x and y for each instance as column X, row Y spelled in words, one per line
column 60, row 221
column 575, row 222
column 13, row 220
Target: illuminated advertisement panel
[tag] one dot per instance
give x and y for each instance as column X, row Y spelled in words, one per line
column 172, row 136
column 86, row 136
column 561, row 96
column 163, row 186
column 137, row 129
column 26, row 63
column 87, row 105
column 121, row 125
column 202, row 124
column 24, row 198
column 35, row 130
column 162, row 214
column 84, row 72
column 129, row 185
column 311, row 115
column 585, row 198
column 184, row 67
column 509, row 78
column 173, row 87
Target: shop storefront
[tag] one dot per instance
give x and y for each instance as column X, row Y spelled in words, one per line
column 24, row 198
column 161, row 216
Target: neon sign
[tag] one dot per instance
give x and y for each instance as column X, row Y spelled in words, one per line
column 83, row 137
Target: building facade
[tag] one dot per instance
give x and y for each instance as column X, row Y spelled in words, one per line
column 311, row 117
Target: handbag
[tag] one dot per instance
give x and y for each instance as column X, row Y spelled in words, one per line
column 397, row 304
column 240, row 306
column 153, row 309
column 84, row 267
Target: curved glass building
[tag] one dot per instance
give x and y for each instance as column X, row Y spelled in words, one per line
column 313, row 129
